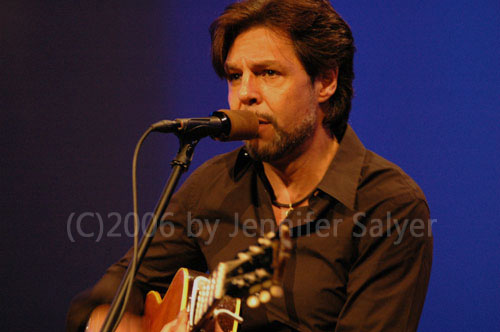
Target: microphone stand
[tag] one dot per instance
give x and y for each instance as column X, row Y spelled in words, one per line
column 188, row 141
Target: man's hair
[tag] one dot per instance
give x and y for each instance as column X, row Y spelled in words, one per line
column 321, row 38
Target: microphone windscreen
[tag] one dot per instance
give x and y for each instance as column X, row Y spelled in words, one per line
column 244, row 125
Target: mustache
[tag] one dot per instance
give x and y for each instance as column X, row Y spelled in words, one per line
column 266, row 116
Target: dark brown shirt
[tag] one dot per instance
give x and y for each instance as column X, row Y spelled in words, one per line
column 362, row 249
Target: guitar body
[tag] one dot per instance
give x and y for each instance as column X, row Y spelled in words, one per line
column 158, row 312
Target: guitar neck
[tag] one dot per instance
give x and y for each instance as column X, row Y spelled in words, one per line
column 205, row 295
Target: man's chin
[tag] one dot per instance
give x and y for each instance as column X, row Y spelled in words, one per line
column 261, row 151
column 254, row 149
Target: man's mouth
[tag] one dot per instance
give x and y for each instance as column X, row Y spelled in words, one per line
column 263, row 122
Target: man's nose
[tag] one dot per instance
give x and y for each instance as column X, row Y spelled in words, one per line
column 249, row 93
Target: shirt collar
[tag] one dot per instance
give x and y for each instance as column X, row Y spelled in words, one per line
column 342, row 176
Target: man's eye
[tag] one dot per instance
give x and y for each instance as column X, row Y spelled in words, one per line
column 269, row 72
column 232, row 77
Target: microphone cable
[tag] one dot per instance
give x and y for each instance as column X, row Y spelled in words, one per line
column 133, row 261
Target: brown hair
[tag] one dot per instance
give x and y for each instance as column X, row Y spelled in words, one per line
column 321, row 38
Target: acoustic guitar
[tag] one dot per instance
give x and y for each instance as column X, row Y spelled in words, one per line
column 212, row 301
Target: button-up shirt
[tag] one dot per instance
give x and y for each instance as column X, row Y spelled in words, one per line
column 361, row 250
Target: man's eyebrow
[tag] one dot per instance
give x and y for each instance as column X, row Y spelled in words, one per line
column 257, row 64
column 228, row 67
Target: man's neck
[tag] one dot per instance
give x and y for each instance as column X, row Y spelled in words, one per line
column 297, row 175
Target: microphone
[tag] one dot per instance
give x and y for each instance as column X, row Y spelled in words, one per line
column 223, row 125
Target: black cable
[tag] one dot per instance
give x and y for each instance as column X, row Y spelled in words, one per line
column 133, row 260
column 179, row 165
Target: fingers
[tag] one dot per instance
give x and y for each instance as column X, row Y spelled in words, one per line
column 177, row 325
column 182, row 320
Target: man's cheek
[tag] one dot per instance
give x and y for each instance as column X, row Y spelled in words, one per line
column 232, row 101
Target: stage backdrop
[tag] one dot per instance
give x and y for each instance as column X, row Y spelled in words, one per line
column 82, row 80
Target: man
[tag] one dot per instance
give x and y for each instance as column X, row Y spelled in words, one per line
column 362, row 247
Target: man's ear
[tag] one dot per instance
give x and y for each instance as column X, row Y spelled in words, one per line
column 326, row 84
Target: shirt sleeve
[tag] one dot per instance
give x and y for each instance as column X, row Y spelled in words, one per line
column 171, row 249
column 389, row 276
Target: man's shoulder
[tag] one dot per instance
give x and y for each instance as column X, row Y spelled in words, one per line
column 381, row 181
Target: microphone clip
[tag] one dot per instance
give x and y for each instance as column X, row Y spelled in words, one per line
column 217, row 126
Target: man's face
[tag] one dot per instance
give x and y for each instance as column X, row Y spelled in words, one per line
column 266, row 77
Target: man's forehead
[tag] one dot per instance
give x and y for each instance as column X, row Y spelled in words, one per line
column 260, row 46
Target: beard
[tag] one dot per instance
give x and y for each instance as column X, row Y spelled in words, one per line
column 285, row 140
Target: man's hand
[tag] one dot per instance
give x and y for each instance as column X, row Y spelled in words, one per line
column 180, row 324
column 177, row 325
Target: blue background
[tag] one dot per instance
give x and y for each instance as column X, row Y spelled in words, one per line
column 82, row 80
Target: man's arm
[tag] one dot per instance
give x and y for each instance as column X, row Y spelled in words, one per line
column 166, row 254
column 388, row 281
column 171, row 249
